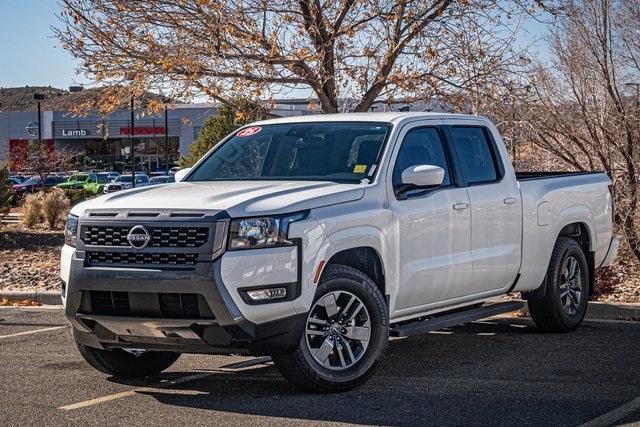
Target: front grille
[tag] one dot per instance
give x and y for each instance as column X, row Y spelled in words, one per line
column 95, row 258
column 161, row 237
column 178, row 305
column 110, row 303
column 161, row 305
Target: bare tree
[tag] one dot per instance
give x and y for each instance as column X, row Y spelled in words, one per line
column 40, row 158
column 584, row 113
column 361, row 49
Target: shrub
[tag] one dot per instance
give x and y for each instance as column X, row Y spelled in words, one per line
column 55, row 206
column 32, row 210
column 6, row 194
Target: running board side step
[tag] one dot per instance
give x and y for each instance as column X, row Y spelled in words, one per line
column 423, row 326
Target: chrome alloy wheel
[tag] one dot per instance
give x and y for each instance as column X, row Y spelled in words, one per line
column 570, row 285
column 338, row 330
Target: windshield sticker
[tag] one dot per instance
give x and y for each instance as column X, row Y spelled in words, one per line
column 359, row 168
column 249, row 131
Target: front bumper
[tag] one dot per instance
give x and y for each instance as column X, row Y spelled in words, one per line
column 270, row 329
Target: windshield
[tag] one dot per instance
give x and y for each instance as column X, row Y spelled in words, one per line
column 123, row 178
column 326, row 151
column 32, row 181
column 80, row 178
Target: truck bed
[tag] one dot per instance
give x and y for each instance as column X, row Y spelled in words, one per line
column 551, row 200
column 530, row 176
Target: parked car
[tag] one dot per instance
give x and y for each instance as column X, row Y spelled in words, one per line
column 95, row 183
column 123, row 182
column 113, row 175
column 173, row 170
column 75, row 181
column 162, row 179
column 34, row 184
column 18, row 179
column 14, row 180
column 312, row 239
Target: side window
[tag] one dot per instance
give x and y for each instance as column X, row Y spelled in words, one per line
column 421, row 146
column 476, row 158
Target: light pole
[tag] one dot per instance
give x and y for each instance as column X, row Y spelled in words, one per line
column 165, row 101
column 39, row 97
column 133, row 148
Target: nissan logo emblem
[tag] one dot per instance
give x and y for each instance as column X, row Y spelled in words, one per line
column 139, row 237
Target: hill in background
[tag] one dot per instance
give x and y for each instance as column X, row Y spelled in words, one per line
column 21, row 98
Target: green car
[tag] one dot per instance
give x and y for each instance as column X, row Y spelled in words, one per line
column 90, row 182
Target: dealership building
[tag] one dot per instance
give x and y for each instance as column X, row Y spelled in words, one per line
column 105, row 142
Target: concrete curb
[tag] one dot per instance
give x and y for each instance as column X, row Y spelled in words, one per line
column 606, row 311
column 43, row 297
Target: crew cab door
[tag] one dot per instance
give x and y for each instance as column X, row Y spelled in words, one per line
column 432, row 226
column 496, row 211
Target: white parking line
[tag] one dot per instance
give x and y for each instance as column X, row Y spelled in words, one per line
column 615, row 414
column 18, row 334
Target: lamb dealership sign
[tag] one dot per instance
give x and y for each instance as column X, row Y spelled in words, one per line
column 74, row 132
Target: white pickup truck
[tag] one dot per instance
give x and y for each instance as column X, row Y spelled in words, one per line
column 312, row 239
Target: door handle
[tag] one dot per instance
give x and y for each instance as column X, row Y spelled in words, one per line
column 510, row 200
column 460, row 206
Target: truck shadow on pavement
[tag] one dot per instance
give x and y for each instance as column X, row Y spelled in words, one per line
column 496, row 372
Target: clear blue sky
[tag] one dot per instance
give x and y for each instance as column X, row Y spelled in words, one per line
column 29, row 55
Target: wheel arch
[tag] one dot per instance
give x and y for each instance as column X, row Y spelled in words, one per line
column 365, row 259
column 580, row 232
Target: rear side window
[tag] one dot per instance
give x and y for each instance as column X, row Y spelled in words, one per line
column 421, row 146
column 476, row 156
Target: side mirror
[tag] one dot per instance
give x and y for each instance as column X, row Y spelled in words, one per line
column 424, row 176
column 179, row 176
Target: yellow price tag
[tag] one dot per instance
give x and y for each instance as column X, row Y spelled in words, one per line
column 359, row 168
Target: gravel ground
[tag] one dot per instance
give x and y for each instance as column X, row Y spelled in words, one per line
column 29, row 261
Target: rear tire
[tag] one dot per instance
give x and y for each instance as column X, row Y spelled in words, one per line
column 346, row 334
column 564, row 304
column 122, row 364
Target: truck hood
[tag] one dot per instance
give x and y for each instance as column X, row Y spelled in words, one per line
column 238, row 198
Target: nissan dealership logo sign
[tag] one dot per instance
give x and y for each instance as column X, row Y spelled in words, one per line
column 32, row 128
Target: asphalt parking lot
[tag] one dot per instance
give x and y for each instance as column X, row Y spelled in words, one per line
column 498, row 372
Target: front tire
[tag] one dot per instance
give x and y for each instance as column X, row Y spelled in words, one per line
column 564, row 304
column 122, row 364
column 345, row 337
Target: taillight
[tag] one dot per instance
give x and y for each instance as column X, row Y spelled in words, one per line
column 613, row 203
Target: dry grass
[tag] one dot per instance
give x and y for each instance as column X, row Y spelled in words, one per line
column 30, row 258
column 6, row 302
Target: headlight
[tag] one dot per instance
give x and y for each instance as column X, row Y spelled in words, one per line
column 262, row 232
column 71, row 230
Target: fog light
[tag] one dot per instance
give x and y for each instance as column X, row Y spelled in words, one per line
column 267, row 294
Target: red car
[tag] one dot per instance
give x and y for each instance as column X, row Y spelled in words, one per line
column 34, row 184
